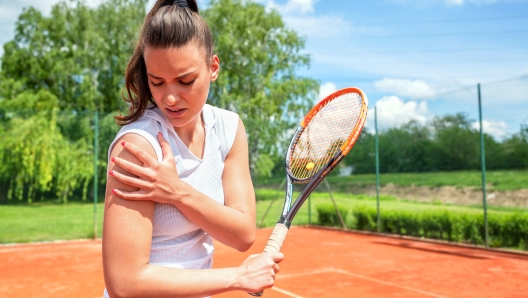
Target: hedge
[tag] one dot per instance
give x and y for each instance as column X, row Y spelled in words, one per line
column 327, row 215
column 504, row 229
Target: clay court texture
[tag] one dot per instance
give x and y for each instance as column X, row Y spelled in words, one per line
column 318, row 263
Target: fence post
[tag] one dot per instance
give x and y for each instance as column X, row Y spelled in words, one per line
column 309, row 210
column 377, row 171
column 335, row 205
column 271, row 203
column 95, row 185
column 483, row 163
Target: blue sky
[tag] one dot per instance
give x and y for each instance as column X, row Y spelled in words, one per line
column 403, row 53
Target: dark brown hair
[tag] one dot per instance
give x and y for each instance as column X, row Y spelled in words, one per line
column 168, row 24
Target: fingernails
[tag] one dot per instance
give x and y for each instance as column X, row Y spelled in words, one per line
column 111, row 173
column 114, row 191
column 113, row 159
column 123, row 143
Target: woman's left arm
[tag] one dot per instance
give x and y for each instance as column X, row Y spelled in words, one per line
column 232, row 223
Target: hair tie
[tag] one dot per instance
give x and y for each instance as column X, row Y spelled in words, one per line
column 181, row 3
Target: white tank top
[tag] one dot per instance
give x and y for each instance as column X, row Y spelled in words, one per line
column 176, row 241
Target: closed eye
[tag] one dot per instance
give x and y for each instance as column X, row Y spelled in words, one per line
column 187, row 83
column 156, row 84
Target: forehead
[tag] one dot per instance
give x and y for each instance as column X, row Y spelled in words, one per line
column 172, row 60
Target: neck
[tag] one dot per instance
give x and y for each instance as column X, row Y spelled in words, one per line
column 192, row 132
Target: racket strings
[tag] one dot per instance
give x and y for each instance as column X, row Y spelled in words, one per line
column 326, row 132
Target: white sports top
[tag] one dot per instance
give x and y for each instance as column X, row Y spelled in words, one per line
column 176, row 241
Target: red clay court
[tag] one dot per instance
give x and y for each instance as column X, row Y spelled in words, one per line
column 318, row 263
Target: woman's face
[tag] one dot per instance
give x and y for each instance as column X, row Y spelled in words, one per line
column 179, row 80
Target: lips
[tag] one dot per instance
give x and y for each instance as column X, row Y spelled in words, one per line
column 175, row 112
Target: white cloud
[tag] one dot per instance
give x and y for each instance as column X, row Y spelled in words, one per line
column 496, row 129
column 406, row 88
column 448, row 2
column 326, row 89
column 297, row 6
column 392, row 111
column 315, row 27
column 455, row 2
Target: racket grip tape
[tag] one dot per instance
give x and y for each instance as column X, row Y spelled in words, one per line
column 274, row 245
column 276, row 238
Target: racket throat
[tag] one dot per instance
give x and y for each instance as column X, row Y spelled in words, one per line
column 284, row 219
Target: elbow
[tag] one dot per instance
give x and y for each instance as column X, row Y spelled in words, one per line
column 121, row 286
column 118, row 291
column 246, row 242
column 244, row 246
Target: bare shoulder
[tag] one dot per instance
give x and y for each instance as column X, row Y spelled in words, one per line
column 119, row 151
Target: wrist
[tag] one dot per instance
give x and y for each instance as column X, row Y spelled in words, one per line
column 236, row 277
column 182, row 194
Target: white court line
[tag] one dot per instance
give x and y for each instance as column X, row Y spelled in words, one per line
column 286, row 292
column 389, row 283
column 330, row 270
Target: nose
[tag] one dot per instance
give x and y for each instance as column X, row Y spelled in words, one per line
column 172, row 97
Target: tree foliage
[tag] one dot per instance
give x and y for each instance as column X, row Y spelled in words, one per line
column 56, row 72
column 59, row 69
column 36, row 157
column 79, row 54
column 259, row 58
column 446, row 143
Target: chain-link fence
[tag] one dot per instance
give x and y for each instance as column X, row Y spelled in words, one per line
column 456, row 174
column 417, row 170
column 50, row 158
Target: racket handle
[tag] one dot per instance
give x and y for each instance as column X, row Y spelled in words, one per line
column 274, row 245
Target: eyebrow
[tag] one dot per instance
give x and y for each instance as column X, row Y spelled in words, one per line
column 183, row 76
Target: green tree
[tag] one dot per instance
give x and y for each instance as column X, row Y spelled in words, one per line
column 55, row 72
column 78, row 54
column 59, row 69
column 515, row 149
column 259, row 58
column 458, row 141
column 409, row 148
column 362, row 157
column 35, row 156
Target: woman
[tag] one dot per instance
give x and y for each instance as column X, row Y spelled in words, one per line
column 178, row 172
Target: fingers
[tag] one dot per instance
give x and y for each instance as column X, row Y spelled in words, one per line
column 131, row 181
column 277, row 257
column 165, row 147
column 276, row 268
column 133, row 196
column 139, row 153
column 130, row 167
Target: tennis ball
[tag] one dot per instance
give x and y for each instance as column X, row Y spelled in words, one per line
column 310, row 166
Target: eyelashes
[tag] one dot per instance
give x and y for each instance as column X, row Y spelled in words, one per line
column 183, row 83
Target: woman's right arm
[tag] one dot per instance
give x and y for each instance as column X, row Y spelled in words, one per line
column 127, row 236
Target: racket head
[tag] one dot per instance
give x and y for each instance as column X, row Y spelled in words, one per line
column 331, row 128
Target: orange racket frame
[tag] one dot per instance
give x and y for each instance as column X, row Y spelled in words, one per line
column 280, row 231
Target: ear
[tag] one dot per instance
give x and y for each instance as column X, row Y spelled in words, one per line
column 215, row 68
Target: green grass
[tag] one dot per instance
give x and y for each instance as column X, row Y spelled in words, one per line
column 496, row 180
column 47, row 221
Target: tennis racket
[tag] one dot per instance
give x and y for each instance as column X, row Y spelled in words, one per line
column 321, row 141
